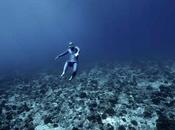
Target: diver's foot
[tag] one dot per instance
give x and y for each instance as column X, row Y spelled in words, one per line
column 70, row 78
column 62, row 74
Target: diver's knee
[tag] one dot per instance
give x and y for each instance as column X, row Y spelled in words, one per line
column 66, row 63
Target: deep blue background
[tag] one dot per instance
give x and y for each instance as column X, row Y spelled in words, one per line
column 32, row 32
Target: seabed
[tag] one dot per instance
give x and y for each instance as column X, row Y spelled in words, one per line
column 116, row 96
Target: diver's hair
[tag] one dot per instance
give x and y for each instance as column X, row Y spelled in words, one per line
column 71, row 44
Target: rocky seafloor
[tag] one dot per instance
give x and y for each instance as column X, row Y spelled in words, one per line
column 116, row 96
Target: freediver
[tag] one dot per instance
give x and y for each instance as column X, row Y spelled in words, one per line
column 72, row 61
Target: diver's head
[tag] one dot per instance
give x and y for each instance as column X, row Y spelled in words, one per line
column 71, row 45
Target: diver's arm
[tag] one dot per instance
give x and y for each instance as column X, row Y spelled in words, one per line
column 78, row 51
column 62, row 54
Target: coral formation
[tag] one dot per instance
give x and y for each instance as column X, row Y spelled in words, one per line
column 128, row 96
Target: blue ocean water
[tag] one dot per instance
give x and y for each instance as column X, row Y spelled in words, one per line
column 33, row 32
column 126, row 68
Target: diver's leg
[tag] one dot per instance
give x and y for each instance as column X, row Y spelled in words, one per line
column 64, row 69
column 75, row 69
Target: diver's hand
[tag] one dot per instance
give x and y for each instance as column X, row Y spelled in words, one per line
column 56, row 57
column 77, row 54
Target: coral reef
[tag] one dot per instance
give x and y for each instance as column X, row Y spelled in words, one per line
column 116, row 96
